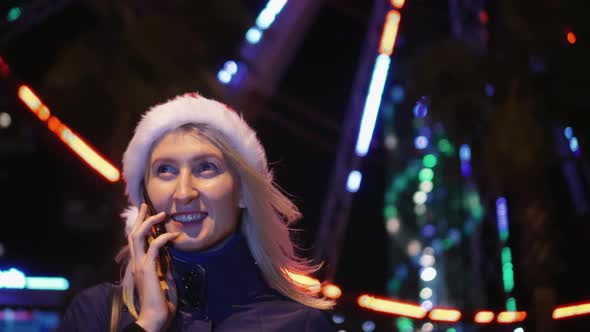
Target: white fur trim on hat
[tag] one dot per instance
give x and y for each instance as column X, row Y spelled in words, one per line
column 186, row 109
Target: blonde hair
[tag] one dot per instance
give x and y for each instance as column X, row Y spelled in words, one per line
column 266, row 223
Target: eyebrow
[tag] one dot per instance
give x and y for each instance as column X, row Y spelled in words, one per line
column 196, row 157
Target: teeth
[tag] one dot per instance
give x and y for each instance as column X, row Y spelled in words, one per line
column 189, row 217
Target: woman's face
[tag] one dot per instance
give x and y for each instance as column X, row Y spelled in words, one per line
column 190, row 180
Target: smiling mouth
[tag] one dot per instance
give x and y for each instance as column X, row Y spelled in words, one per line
column 189, row 217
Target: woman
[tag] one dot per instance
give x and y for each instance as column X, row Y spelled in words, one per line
column 208, row 233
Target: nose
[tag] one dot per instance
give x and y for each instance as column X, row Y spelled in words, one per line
column 185, row 191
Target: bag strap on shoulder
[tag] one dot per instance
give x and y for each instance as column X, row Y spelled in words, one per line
column 116, row 308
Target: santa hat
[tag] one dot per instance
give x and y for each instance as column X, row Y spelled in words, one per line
column 190, row 108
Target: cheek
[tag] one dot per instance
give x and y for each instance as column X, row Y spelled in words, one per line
column 222, row 193
column 159, row 194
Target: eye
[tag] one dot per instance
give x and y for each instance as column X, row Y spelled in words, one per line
column 165, row 169
column 207, row 168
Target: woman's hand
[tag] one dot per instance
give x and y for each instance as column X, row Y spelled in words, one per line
column 154, row 310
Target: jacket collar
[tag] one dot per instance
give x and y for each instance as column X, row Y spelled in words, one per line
column 211, row 283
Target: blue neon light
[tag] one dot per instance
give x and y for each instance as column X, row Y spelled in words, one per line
column 465, row 169
column 224, row 76
column 421, row 142
column 269, row 13
column 12, row 278
column 502, row 218
column 231, row 67
column 421, row 108
column 568, row 132
column 15, row 279
column 372, row 104
column 354, row 181
column 47, row 283
column 253, row 35
column 465, row 152
column 574, row 146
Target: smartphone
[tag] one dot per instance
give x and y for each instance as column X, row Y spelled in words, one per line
column 157, row 230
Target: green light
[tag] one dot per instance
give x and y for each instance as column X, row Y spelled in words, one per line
column 451, row 329
column 429, row 160
column 393, row 285
column 426, row 174
column 477, row 211
column 400, row 183
column 404, row 324
column 390, row 211
column 445, row 147
column 511, row 304
column 390, row 197
column 508, row 277
column 506, row 255
column 13, row 14
column 447, row 244
column 504, row 235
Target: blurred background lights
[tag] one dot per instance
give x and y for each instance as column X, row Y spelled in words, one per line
column 265, row 19
column 426, row 305
column 338, row 318
column 5, row 120
column 427, row 260
column 426, row 174
column 568, row 132
column 12, row 278
column 253, row 35
column 414, row 247
column 425, row 131
column 574, row 144
column 420, row 197
column 13, row 14
column 465, row 152
column 398, row 3
column 368, row 326
column 519, row 329
column 429, row 160
column 571, row 38
column 420, row 209
column 332, row 291
column 397, row 93
column 392, row 225
column 445, row 147
column 421, row 142
column 428, row 251
column 224, row 76
column 404, row 324
column 428, row 230
column 428, row 274
column 421, row 108
column 354, row 181
column 426, row 293
column 231, row 67
column 391, row 142
column 426, row 186
column 489, row 90
column 427, row 327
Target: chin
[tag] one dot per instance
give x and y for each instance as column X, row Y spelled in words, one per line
column 187, row 243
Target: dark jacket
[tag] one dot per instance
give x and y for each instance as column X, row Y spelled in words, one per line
column 219, row 291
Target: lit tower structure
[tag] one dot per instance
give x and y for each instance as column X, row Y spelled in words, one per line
column 357, row 130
